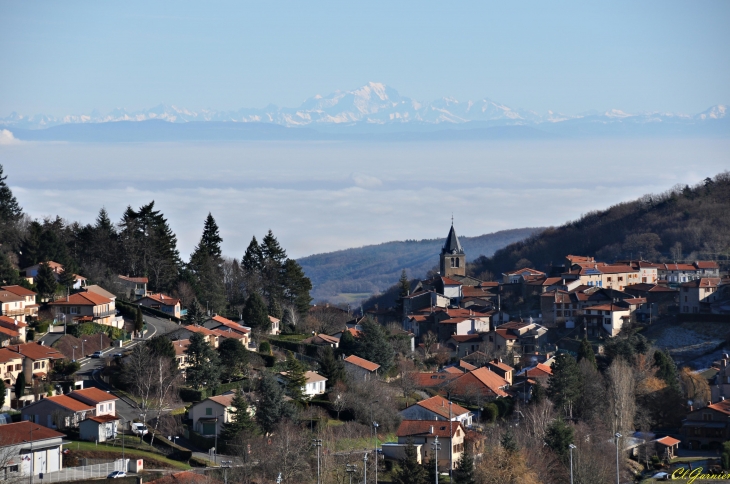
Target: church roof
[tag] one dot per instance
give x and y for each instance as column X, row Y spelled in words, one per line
column 452, row 245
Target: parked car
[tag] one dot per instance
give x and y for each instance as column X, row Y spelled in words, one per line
column 97, row 354
column 117, row 475
column 661, row 476
column 139, row 429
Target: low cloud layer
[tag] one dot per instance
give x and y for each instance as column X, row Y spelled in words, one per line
column 319, row 197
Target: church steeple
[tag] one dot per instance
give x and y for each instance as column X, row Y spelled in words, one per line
column 453, row 258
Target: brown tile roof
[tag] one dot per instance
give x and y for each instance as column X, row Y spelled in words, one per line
column 136, row 280
column 7, row 296
column 180, row 346
column 82, row 299
column 450, row 282
column 440, row 406
column 162, row 299
column 228, row 333
column 452, row 369
column 434, row 380
column 677, row 267
column 607, row 307
column 36, row 351
column 445, row 430
column 463, row 338
column 467, row 366
column 224, row 400
column 11, row 323
column 9, row 332
column 93, row 394
column 722, row 406
column 17, row 433
column 69, row 403
column 7, row 355
column 230, row 324
column 706, row 264
column 103, row 418
column 703, row 282
column 362, row 363
column 490, row 380
column 501, row 365
column 668, row 441
column 505, row 334
column 199, row 329
column 19, row 290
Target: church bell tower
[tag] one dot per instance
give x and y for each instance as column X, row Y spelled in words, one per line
column 453, row 258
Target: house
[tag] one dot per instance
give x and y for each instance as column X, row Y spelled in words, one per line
column 423, row 433
column 166, row 304
column 515, row 277
column 99, row 428
column 32, row 271
column 479, row 384
column 679, row 273
column 30, row 308
column 437, row 408
column 29, row 450
column 613, row 276
column 696, row 296
column 103, row 402
column 315, row 383
column 132, row 287
column 186, row 331
column 8, row 335
column 518, row 337
column 15, row 326
column 360, row 368
column 87, row 306
column 275, row 325
column 226, row 325
column 38, row 359
column 60, row 411
column 606, row 319
column 209, row 415
column 181, row 357
column 465, row 344
column 658, row 297
column 667, row 447
column 537, row 373
column 322, row 340
column 502, row 369
column 708, row 426
column 11, row 364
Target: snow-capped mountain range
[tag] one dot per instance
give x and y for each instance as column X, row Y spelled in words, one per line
column 375, row 104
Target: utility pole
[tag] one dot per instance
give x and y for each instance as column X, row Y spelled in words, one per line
column 571, row 447
column 451, row 446
column 365, row 467
column 350, row 469
column 225, row 464
column 375, row 427
column 318, row 445
column 436, row 446
column 618, row 480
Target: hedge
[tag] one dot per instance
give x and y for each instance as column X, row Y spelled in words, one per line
column 178, row 452
column 130, row 310
column 191, row 395
column 203, row 443
column 224, row 387
column 303, row 348
column 78, row 330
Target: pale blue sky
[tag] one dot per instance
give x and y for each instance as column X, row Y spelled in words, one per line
column 72, row 57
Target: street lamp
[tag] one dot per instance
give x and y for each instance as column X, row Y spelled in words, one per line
column 451, row 446
column 318, row 444
column 436, row 446
column 73, row 353
column 350, row 469
column 618, row 436
column 375, row 428
column 82, row 347
column 571, row 447
column 225, row 464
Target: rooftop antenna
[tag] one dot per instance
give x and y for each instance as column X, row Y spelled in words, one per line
column 452, row 219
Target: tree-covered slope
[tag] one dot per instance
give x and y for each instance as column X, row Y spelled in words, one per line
column 684, row 223
column 373, row 268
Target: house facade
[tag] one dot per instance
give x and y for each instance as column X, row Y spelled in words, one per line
column 209, row 415
column 87, row 306
column 99, row 428
column 57, row 412
column 166, row 304
column 695, row 296
column 679, row 273
column 29, row 306
column 438, row 408
column 360, row 368
column 708, row 426
column 29, row 449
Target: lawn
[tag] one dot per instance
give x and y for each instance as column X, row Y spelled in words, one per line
column 129, row 452
column 343, row 445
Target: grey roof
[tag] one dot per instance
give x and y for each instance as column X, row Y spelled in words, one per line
column 452, row 245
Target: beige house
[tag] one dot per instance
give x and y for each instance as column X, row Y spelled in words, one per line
column 612, row 276
column 87, row 306
column 11, row 364
column 133, row 287
column 166, row 304
column 226, row 328
column 32, row 271
column 696, row 296
column 209, row 415
column 437, row 408
column 104, row 403
column 609, row 318
column 29, row 306
column 423, row 433
column 15, row 326
column 38, row 360
column 57, row 412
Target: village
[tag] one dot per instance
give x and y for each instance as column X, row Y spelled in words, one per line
column 456, row 367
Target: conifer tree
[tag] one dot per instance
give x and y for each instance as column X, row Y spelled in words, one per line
column 205, row 268
column 666, row 368
column 255, row 313
column 508, row 441
column 45, row 280
column 253, row 258
column 10, row 215
column 271, row 406
column 138, row 320
column 559, row 436
column 161, row 345
column 330, row 367
column 275, row 309
column 234, row 357
column 565, row 383
column 538, row 392
column 241, row 420
column 8, row 274
column 410, row 471
column 19, row 386
column 348, row 344
column 204, row 369
column 296, row 286
column 464, row 472
column 296, row 380
column 211, row 239
column 374, row 345
column 586, row 351
column 404, row 287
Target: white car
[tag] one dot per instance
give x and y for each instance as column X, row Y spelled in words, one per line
column 97, row 354
column 116, row 475
column 661, row 476
column 139, row 429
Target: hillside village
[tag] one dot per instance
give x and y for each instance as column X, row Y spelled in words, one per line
column 460, row 377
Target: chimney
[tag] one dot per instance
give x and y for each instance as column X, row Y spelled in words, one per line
column 724, row 362
column 431, row 430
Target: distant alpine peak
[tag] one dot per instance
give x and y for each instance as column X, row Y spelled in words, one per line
column 373, row 103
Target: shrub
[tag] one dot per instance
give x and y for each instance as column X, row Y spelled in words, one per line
column 30, row 335
column 491, row 412
column 190, row 395
column 265, row 348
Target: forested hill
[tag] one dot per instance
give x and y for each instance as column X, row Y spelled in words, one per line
column 353, row 274
column 684, row 223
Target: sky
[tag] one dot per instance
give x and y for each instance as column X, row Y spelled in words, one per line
column 73, row 57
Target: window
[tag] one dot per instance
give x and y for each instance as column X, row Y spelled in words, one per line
column 707, row 416
column 36, row 365
column 17, row 367
column 608, row 279
column 209, row 411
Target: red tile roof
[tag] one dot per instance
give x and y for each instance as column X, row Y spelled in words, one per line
column 9, row 332
column 452, row 369
column 463, row 338
column 93, row 394
column 16, row 433
column 706, row 264
column 490, row 380
column 362, row 363
column 422, row 428
column 230, row 324
column 532, row 272
column 19, row 290
column 440, row 406
column 162, row 299
column 224, row 400
column 228, row 333
column 502, row 366
column 103, row 418
column 668, row 441
column 11, row 323
column 36, row 351
column 450, row 282
column 722, row 406
column 85, row 298
column 180, row 346
column 69, row 403
column 467, row 366
column 607, row 307
column 434, row 380
column 136, row 280
column 505, row 334
column 7, row 355
column 703, row 282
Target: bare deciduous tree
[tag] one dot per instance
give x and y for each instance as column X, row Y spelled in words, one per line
column 407, row 377
column 288, row 451
column 622, row 396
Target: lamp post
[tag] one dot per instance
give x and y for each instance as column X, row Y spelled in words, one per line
column 82, row 347
column 215, row 449
column 350, row 469
column 571, row 447
column 318, row 444
column 436, row 446
column 618, row 481
column 375, row 428
column 365, row 468
column 451, row 446
column 225, row 464
column 73, row 353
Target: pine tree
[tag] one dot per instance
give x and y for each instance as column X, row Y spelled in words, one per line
column 196, row 314
column 464, row 472
column 253, row 258
column 138, row 320
column 271, row 249
column 348, row 344
column 404, row 288
column 255, row 313
column 161, row 345
column 375, row 346
column 586, row 351
column 565, row 383
column 330, row 367
column 508, row 441
column 8, row 274
column 241, row 420
column 45, row 280
column 538, row 392
column 10, row 215
column 275, row 309
column 211, row 239
column 559, row 436
column 271, row 406
column 296, row 379
column 19, row 386
column 272, row 267
column 204, row 369
column 67, row 279
column 296, row 286
column 234, row 357
column 205, row 269
column 410, row 471
column 666, row 368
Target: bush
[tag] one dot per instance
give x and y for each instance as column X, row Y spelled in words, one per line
column 224, row 387
column 30, row 335
column 504, row 405
column 491, row 412
column 190, row 395
column 178, row 452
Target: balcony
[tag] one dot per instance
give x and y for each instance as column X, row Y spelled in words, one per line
column 14, row 312
column 105, row 314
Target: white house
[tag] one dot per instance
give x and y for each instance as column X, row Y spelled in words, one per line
column 437, row 408
column 31, row 449
column 99, row 428
column 315, row 383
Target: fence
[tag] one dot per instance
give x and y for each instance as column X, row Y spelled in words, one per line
column 84, row 472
